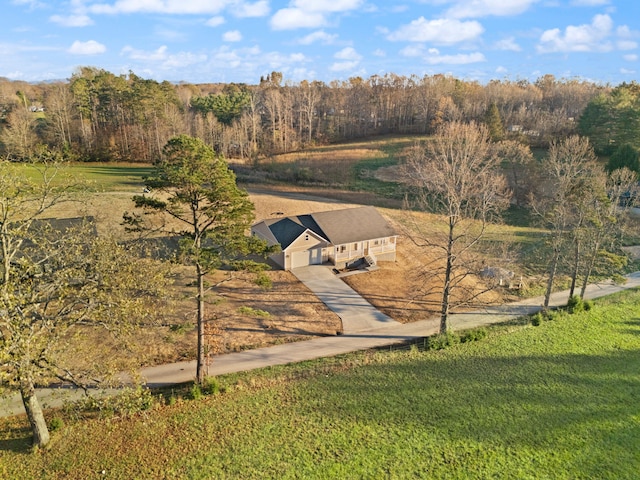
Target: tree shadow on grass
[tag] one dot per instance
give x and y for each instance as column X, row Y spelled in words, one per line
column 635, row 324
column 582, row 407
column 15, row 437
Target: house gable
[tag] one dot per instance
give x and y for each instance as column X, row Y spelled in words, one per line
column 353, row 225
column 336, row 236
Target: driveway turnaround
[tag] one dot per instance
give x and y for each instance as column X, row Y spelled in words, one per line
column 356, row 313
column 389, row 333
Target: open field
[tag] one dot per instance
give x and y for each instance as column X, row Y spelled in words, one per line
column 554, row 401
column 348, row 166
column 248, row 315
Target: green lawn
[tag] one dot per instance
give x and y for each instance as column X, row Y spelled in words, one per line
column 99, row 176
column 559, row 401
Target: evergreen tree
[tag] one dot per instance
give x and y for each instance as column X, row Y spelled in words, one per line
column 624, row 156
column 193, row 185
column 493, row 121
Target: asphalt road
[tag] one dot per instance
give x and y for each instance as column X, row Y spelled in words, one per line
column 389, row 334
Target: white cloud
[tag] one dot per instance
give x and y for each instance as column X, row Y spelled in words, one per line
column 247, row 63
column 626, row 71
column 327, row 6
column 215, row 21
column 484, row 8
column 33, row 4
column 87, row 48
column 412, row 51
column 71, row 20
column 343, row 66
column 627, row 45
column 292, row 18
column 632, row 57
column 232, row 36
column 508, row 44
column 348, row 53
column 193, row 7
column 582, row 38
column 378, row 52
column 350, row 60
column 319, row 36
column 162, row 58
column 627, row 38
column 590, row 3
column 134, row 54
column 459, row 59
column 248, row 10
column 441, row 31
column 310, row 13
column 433, row 56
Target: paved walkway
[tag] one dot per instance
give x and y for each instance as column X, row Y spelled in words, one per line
column 356, row 313
column 392, row 333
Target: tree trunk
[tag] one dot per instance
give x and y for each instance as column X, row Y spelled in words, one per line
column 576, row 263
column 201, row 357
column 552, row 275
column 589, row 269
column 34, row 413
column 446, row 290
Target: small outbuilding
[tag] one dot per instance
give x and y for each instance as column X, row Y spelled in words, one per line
column 337, row 237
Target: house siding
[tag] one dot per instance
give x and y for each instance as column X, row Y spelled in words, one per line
column 336, row 237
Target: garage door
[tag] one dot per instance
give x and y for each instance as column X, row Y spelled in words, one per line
column 306, row 257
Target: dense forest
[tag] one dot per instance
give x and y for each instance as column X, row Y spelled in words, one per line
column 99, row 116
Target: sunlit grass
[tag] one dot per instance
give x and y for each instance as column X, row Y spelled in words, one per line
column 95, row 176
column 554, row 401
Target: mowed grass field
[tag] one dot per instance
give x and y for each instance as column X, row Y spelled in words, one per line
column 560, row 400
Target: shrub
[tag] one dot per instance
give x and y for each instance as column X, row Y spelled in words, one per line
column 442, row 341
column 128, row 402
column 211, row 386
column 263, row 281
column 55, row 424
column 196, row 392
column 537, row 319
column 575, row 305
column 254, row 312
column 473, row 335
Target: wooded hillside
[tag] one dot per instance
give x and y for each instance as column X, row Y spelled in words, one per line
column 99, row 116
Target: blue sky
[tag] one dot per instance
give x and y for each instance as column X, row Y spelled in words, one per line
column 200, row 41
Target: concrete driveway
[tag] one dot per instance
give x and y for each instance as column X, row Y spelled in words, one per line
column 356, row 313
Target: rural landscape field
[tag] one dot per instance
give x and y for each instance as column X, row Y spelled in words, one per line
column 126, row 214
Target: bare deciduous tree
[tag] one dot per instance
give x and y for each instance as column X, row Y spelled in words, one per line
column 456, row 175
column 56, row 281
column 564, row 201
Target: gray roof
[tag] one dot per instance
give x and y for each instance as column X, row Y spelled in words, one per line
column 337, row 226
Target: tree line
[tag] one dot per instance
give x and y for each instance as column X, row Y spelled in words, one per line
column 100, row 116
column 471, row 180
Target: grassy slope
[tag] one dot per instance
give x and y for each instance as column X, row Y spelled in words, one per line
column 555, row 401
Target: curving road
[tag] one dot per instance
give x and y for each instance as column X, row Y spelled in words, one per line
column 386, row 334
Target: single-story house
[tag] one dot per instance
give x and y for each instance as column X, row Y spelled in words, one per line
column 338, row 237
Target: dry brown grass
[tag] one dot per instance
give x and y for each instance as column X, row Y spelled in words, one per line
column 342, row 156
column 291, row 312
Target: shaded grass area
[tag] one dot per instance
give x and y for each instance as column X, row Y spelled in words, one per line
column 102, row 176
column 112, row 176
column 555, row 401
